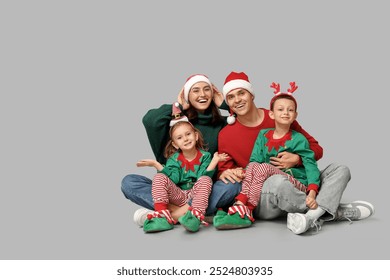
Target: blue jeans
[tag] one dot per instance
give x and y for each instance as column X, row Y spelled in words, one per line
column 138, row 189
column 278, row 195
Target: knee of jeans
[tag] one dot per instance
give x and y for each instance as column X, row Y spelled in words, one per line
column 342, row 170
column 276, row 184
column 220, row 189
column 126, row 185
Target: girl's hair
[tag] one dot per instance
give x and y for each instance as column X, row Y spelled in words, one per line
column 170, row 149
column 217, row 118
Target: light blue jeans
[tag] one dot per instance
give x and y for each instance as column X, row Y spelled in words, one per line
column 278, row 196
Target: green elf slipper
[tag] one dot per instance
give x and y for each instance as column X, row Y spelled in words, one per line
column 192, row 219
column 218, row 216
column 190, row 222
column 160, row 220
column 238, row 217
column 157, row 225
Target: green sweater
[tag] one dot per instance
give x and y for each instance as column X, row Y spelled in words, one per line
column 156, row 122
column 293, row 142
column 185, row 173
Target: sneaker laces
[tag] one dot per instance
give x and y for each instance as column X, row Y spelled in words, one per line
column 317, row 225
column 346, row 214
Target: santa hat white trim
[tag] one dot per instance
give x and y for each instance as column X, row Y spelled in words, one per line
column 235, row 84
column 192, row 81
column 175, row 121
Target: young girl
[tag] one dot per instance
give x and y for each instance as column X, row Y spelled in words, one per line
column 185, row 179
column 271, row 143
column 200, row 101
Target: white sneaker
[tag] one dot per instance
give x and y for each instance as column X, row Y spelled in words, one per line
column 299, row 223
column 353, row 211
column 141, row 215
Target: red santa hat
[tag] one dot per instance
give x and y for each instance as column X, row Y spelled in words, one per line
column 177, row 115
column 192, row 80
column 279, row 94
column 236, row 80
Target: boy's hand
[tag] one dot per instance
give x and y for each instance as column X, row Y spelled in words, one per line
column 311, row 200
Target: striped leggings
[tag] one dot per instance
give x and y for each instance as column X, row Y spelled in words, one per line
column 255, row 176
column 164, row 191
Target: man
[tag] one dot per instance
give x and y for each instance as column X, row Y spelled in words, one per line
column 278, row 196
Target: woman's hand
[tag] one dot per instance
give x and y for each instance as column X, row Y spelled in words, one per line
column 217, row 96
column 182, row 101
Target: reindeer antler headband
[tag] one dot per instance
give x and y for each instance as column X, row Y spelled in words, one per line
column 279, row 94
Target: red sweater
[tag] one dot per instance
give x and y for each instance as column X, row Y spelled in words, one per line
column 237, row 141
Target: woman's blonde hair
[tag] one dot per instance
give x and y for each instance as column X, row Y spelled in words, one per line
column 170, row 149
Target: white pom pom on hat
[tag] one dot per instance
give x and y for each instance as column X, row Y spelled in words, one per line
column 177, row 115
column 192, row 80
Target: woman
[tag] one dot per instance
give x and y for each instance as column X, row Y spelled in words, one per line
column 199, row 100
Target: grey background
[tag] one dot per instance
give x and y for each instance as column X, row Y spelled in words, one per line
column 77, row 77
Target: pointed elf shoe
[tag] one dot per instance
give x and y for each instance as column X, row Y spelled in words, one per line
column 191, row 220
column 238, row 216
column 158, row 221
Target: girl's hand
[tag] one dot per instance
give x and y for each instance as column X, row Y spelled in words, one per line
column 232, row 175
column 146, row 162
column 217, row 96
column 221, row 157
column 182, row 101
column 239, row 172
column 150, row 163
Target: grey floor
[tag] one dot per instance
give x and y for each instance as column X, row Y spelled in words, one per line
column 365, row 239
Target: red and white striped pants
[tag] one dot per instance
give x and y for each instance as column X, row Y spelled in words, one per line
column 255, row 176
column 164, row 191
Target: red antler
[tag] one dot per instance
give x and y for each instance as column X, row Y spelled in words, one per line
column 292, row 88
column 276, row 86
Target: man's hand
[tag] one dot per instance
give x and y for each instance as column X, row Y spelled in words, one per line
column 232, row 175
column 285, row 160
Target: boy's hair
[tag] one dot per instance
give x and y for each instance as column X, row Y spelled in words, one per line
column 279, row 94
column 170, row 149
column 285, row 96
